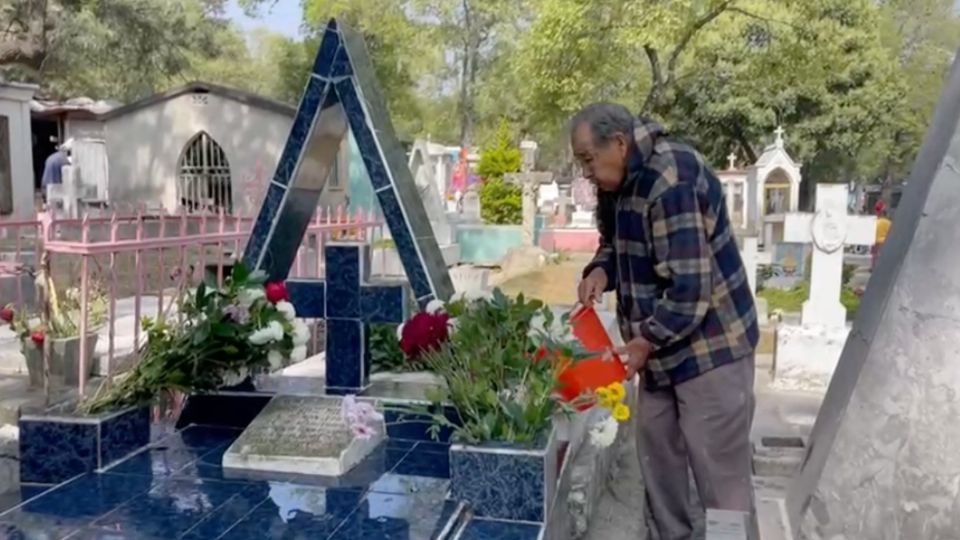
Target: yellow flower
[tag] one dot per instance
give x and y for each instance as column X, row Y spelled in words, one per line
column 617, row 392
column 621, row 413
column 603, row 397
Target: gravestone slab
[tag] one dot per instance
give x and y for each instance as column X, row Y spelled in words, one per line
column 471, row 207
column 302, row 435
column 882, row 459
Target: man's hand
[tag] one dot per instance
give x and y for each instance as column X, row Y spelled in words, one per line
column 591, row 287
column 634, row 355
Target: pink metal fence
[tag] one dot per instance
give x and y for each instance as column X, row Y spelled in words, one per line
column 141, row 257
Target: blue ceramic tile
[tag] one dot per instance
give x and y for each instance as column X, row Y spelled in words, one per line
column 308, row 297
column 380, row 462
column 499, row 485
column 203, row 437
column 341, row 64
column 296, row 511
column 400, row 444
column 33, row 530
column 346, row 352
column 395, row 517
column 157, row 462
column 425, row 464
column 414, row 427
column 313, row 95
column 235, row 509
column 222, row 410
column 480, row 529
column 52, row 452
column 404, row 241
column 366, row 140
column 383, row 304
column 92, row 533
column 329, row 45
column 26, row 492
column 431, row 446
column 209, row 466
column 343, row 280
column 79, row 502
column 261, row 228
column 170, row 509
column 294, row 217
column 401, row 482
column 124, row 434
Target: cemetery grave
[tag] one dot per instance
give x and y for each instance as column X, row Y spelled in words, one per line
column 277, row 459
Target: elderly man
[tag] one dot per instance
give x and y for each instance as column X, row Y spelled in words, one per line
column 684, row 306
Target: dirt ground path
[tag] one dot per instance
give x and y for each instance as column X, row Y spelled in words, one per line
column 555, row 283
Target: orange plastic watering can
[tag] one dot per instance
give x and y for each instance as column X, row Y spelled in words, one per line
column 592, row 373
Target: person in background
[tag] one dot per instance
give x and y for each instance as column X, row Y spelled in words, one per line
column 685, row 311
column 883, row 229
column 53, row 167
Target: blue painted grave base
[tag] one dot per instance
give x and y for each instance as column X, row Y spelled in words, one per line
column 175, row 488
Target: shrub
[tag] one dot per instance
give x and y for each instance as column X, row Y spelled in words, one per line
column 501, row 156
column 500, row 202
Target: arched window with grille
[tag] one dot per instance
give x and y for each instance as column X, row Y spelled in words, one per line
column 203, row 176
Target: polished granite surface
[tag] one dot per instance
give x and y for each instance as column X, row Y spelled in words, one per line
column 176, row 489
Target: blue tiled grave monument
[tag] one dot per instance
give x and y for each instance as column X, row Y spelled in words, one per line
column 305, row 434
column 342, row 94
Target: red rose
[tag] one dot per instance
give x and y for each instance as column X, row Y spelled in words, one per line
column 424, row 332
column 6, row 314
column 277, row 292
column 37, row 338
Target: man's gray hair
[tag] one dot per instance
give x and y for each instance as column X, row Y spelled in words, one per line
column 605, row 121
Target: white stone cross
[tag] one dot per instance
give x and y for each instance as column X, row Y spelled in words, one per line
column 829, row 229
column 732, row 158
column 779, row 133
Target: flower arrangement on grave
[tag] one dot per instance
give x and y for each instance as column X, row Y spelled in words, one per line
column 502, row 359
column 218, row 336
column 57, row 322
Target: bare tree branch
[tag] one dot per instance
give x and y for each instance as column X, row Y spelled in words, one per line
column 656, row 73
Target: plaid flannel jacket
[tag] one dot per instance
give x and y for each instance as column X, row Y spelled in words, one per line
column 674, row 262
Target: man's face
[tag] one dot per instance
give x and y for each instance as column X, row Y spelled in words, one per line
column 605, row 165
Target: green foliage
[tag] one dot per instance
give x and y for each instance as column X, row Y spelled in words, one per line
column 198, row 353
column 498, row 392
column 111, row 49
column 791, row 300
column 501, row 203
column 385, row 352
column 501, row 156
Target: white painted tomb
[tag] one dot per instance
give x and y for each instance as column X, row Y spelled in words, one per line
column 773, row 191
column 807, row 354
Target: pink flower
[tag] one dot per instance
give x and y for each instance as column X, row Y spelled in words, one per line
column 363, row 432
column 360, row 416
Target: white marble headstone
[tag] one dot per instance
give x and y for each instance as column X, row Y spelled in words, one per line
column 471, row 206
column 302, row 435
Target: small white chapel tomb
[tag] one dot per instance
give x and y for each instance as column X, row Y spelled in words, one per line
column 773, row 191
column 808, row 354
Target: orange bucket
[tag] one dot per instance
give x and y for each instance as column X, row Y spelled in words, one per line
column 592, row 373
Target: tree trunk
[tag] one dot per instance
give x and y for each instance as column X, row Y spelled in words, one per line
column 471, row 50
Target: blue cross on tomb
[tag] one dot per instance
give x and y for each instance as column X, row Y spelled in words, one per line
column 350, row 304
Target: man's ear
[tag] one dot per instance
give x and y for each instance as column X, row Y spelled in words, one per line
column 623, row 145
